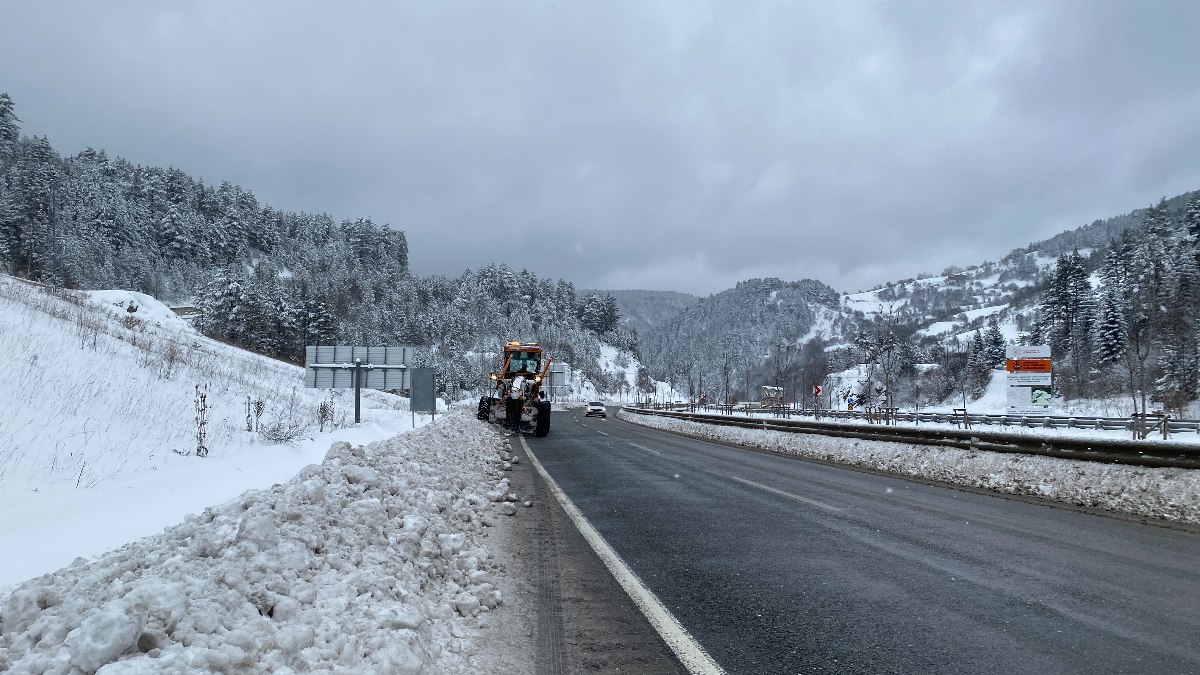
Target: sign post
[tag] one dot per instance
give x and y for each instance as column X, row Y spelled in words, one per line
column 558, row 380
column 1030, row 378
column 422, row 393
column 345, row 367
column 357, row 389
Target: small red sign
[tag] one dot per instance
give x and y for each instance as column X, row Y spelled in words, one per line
column 816, row 390
column 1028, row 365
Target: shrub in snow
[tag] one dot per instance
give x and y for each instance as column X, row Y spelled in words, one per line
column 324, row 413
column 288, row 423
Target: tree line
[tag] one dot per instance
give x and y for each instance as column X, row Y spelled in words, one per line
column 271, row 280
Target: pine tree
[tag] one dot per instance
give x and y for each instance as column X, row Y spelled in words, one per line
column 1066, row 302
column 222, row 307
column 1138, row 274
column 1191, row 219
column 28, row 209
column 1177, row 359
column 598, row 313
column 10, row 132
column 173, row 236
column 994, row 343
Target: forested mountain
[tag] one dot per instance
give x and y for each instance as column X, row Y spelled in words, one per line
column 271, row 280
column 1101, row 233
column 1117, row 301
column 717, row 344
column 641, row 310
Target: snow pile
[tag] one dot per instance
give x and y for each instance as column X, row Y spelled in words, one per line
column 143, row 307
column 1168, row 494
column 373, row 561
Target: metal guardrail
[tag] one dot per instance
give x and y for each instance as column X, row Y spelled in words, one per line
column 1137, row 453
column 1086, row 422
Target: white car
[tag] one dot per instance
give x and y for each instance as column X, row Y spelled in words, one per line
column 596, row 408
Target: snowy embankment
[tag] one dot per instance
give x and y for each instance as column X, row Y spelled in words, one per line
column 373, row 561
column 98, row 423
column 1167, row 494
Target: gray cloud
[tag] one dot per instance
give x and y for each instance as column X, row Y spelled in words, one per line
column 674, row 145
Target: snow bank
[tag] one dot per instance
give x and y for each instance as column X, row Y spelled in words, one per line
column 131, row 303
column 1168, row 494
column 373, row 561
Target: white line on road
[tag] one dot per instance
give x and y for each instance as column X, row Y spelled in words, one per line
column 642, row 447
column 690, row 653
column 601, row 433
column 781, row 493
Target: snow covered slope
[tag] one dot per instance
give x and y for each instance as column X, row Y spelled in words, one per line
column 98, row 431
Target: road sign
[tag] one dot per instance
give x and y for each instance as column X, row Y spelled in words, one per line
column 816, row 390
column 1024, row 400
column 422, row 397
column 332, row 367
column 1030, row 379
column 1027, row 365
column 1027, row 352
column 557, row 385
column 1019, row 379
column 344, row 366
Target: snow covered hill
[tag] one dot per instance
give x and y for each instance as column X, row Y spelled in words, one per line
column 98, row 431
column 759, row 332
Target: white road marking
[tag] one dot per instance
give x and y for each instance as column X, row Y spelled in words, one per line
column 601, row 433
column 687, row 650
column 781, row 493
column 642, row 447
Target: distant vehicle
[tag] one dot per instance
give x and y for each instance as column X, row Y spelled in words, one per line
column 771, row 397
column 596, row 408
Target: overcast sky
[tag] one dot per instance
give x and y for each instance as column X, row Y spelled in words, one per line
column 681, row 145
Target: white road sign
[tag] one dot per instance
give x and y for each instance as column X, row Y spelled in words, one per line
column 1027, row 351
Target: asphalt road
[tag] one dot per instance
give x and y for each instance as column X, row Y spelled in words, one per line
column 777, row 565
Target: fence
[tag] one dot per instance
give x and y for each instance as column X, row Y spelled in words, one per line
column 1139, row 453
column 959, row 417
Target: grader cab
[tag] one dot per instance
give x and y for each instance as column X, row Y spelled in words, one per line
column 524, row 372
column 771, row 397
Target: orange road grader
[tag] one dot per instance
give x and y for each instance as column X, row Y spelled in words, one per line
column 524, row 372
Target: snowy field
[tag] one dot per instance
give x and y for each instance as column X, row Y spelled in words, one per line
column 1167, row 494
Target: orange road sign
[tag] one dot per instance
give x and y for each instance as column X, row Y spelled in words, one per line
column 1027, row 365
